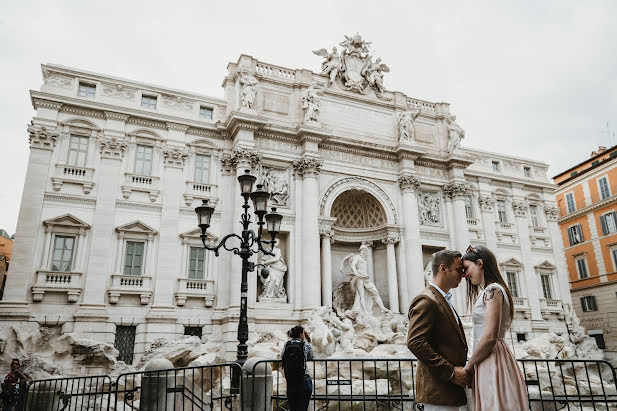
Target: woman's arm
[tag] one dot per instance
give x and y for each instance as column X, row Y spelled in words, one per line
column 493, row 299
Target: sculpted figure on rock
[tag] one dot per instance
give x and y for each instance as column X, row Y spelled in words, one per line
column 274, row 289
column 249, row 90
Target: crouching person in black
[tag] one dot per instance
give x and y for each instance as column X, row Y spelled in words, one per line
column 296, row 353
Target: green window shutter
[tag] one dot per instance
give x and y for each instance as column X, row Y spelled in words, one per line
column 604, row 225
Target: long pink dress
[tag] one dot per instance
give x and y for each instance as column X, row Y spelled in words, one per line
column 498, row 382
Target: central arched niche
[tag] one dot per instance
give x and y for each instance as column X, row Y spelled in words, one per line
column 360, row 212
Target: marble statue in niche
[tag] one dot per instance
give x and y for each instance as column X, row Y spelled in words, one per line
column 311, row 102
column 365, row 292
column 249, row 90
column 274, row 284
column 405, row 124
column 429, row 208
column 455, row 133
column 275, row 182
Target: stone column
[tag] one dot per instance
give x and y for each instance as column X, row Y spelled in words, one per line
column 42, row 142
column 392, row 277
column 534, row 293
column 326, row 270
column 296, row 275
column 99, row 264
column 487, row 207
column 369, row 259
column 409, row 185
column 311, row 294
column 456, row 191
column 167, row 271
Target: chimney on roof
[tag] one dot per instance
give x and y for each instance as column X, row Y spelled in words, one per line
column 601, row 149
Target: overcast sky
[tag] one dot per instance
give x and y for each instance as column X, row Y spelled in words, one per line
column 536, row 79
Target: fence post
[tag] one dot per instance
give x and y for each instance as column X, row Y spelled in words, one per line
column 256, row 388
column 44, row 396
column 154, row 386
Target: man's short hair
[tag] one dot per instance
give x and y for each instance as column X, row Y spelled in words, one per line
column 445, row 257
column 15, row 360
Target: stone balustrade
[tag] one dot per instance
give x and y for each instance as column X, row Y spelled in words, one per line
column 57, row 281
column 195, row 288
column 137, row 182
column 521, row 305
column 122, row 284
column 274, row 71
column 66, row 174
column 199, row 191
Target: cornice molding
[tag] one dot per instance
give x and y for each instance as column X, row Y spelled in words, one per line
column 60, row 198
column 578, row 213
column 52, row 105
column 81, row 111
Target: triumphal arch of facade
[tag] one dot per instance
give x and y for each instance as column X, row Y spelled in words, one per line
column 107, row 234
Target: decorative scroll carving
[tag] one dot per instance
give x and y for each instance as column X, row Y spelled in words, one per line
column 42, row 137
column 429, row 208
column 118, row 91
column 178, row 103
column 58, row 80
column 240, row 157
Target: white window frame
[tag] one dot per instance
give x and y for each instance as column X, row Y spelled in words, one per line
column 608, row 187
column 204, row 266
column 550, row 286
column 503, row 212
column 67, row 226
column 143, row 257
column 576, row 233
column 582, row 258
column 514, row 273
column 534, row 216
column 81, row 138
column 71, row 261
column 604, row 222
column 570, row 196
column 143, row 161
column 146, row 101
column 203, row 110
column 87, row 92
column 469, row 209
column 206, row 175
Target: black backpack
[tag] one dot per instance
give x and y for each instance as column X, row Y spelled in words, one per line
column 293, row 361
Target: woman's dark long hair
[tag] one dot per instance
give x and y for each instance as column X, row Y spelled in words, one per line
column 491, row 275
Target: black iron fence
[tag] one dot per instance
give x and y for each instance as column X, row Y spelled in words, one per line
column 338, row 384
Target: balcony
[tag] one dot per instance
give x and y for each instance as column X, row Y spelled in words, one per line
column 57, row 281
column 506, row 233
column 550, row 306
column 122, row 284
column 200, row 191
column 137, row 182
column 474, row 227
column 539, row 237
column 193, row 288
column 521, row 305
column 65, row 174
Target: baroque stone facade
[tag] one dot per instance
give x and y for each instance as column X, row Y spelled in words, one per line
column 107, row 235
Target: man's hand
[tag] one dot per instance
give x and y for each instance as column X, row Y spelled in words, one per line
column 461, row 377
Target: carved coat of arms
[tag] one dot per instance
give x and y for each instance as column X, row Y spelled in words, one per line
column 353, row 67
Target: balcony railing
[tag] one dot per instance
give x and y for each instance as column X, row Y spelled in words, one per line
column 199, row 191
column 521, row 305
column 195, row 288
column 57, row 281
column 138, row 182
column 66, row 174
column 551, row 306
column 122, row 284
column 473, row 222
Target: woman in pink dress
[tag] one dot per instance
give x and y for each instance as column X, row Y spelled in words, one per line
column 498, row 382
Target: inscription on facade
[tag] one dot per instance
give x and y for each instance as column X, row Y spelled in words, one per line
column 277, row 145
column 357, row 118
column 358, row 159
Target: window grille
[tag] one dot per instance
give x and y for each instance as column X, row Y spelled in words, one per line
column 125, row 343
column 495, row 166
column 501, row 211
column 533, row 212
column 521, row 337
column 527, row 171
column 469, row 206
column 195, row 331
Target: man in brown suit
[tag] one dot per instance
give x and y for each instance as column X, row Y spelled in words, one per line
column 437, row 339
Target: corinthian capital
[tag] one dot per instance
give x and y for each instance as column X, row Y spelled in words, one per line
column 456, row 189
column 390, row 240
column 487, row 203
column 520, row 208
column 307, row 166
column 174, row 156
column 552, row 213
column 240, row 157
column 42, row 137
column 408, row 182
column 112, row 147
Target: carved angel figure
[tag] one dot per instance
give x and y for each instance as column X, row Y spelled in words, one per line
column 331, row 65
column 356, row 266
column 455, row 133
column 249, row 90
column 405, row 124
column 311, row 102
column 374, row 73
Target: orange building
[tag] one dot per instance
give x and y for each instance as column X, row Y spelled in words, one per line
column 587, row 199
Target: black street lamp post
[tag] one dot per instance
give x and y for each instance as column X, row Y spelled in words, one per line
column 250, row 243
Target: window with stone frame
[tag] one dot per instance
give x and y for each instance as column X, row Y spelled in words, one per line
column 512, row 278
column 148, row 101
column 469, row 212
column 608, row 222
column 62, row 254
column 197, row 263
column 547, row 289
column 527, row 171
column 589, row 303
column 86, row 90
column 534, row 216
column 133, row 258
column 78, row 151
column 205, row 112
column 604, row 187
column 570, row 203
column 598, row 335
column 502, row 215
column 194, row 331
column 202, row 168
column 613, row 251
column 581, row 266
column 496, row 166
column 143, row 160
column 575, row 234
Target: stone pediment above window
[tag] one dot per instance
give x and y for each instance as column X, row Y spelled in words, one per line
column 512, row 262
column 545, row 266
column 136, row 229
column 66, row 222
column 194, row 236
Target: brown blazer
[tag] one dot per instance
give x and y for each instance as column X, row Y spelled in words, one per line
column 438, row 341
